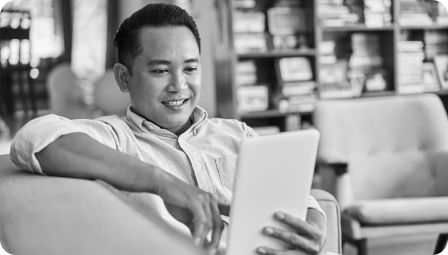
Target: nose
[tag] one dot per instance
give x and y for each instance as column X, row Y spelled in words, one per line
column 177, row 83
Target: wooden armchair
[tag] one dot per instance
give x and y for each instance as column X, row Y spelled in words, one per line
column 389, row 165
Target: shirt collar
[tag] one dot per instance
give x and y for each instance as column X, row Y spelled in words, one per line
column 198, row 116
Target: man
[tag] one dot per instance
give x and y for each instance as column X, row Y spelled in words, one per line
column 165, row 146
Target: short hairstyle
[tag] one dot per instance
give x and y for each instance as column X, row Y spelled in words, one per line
column 126, row 38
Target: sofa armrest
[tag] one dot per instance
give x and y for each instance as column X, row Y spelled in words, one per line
column 331, row 208
column 54, row 215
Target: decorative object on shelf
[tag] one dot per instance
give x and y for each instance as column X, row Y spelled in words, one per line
column 375, row 81
column 441, row 63
column 430, row 81
column 294, row 69
column 253, row 98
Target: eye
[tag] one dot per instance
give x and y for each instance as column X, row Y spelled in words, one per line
column 159, row 71
column 191, row 69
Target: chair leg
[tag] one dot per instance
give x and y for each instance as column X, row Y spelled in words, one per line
column 359, row 244
column 441, row 243
column 362, row 246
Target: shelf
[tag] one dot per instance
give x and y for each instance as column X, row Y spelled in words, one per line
column 356, row 28
column 378, row 94
column 12, row 68
column 10, row 33
column 269, row 114
column 277, row 54
column 425, row 27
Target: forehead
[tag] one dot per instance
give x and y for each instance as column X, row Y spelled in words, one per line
column 168, row 40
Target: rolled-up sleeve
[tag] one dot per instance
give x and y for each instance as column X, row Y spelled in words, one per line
column 313, row 204
column 40, row 132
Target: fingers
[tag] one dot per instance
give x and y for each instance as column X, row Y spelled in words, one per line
column 200, row 223
column 269, row 251
column 300, row 227
column 300, row 242
column 217, row 223
column 205, row 220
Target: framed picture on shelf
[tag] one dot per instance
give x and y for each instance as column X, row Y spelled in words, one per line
column 430, row 80
column 441, row 63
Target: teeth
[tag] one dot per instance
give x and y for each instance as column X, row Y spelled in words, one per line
column 174, row 103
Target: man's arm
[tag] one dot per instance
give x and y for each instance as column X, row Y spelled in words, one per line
column 78, row 155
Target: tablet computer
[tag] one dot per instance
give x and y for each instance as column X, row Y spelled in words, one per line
column 274, row 173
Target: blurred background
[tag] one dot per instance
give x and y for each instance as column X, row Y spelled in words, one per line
column 265, row 62
column 56, row 56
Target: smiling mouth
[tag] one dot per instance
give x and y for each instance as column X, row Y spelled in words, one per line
column 175, row 103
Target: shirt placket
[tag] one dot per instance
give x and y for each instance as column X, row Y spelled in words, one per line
column 203, row 180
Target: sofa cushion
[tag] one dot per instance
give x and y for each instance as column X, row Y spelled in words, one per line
column 399, row 211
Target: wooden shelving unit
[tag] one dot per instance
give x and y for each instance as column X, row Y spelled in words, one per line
column 388, row 35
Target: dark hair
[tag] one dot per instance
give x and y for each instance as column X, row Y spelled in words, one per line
column 153, row 15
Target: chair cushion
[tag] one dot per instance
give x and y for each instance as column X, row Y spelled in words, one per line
column 399, row 211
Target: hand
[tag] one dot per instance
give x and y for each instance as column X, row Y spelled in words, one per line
column 197, row 209
column 306, row 238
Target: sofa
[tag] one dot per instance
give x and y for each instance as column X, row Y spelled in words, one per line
column 55, row 215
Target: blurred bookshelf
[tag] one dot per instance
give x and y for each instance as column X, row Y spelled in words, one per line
column 17, row 88
column 277, row 58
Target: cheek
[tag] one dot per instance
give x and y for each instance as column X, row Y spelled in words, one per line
column 195, row 83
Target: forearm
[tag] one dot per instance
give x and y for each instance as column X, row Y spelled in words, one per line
column 79, row 156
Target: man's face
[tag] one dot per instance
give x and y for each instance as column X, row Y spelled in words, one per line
column 166, row 76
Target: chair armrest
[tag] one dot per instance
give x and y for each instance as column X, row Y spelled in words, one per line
column 339, row 168
column 336, row 179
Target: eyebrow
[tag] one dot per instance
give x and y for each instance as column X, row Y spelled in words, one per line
column 165, row 62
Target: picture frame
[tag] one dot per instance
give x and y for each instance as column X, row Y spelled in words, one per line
column 430, row 79
column 441, row 64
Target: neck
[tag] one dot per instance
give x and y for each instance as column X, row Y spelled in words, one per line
column 184, row 128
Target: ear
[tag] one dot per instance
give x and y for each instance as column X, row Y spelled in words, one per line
column 122, row 74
